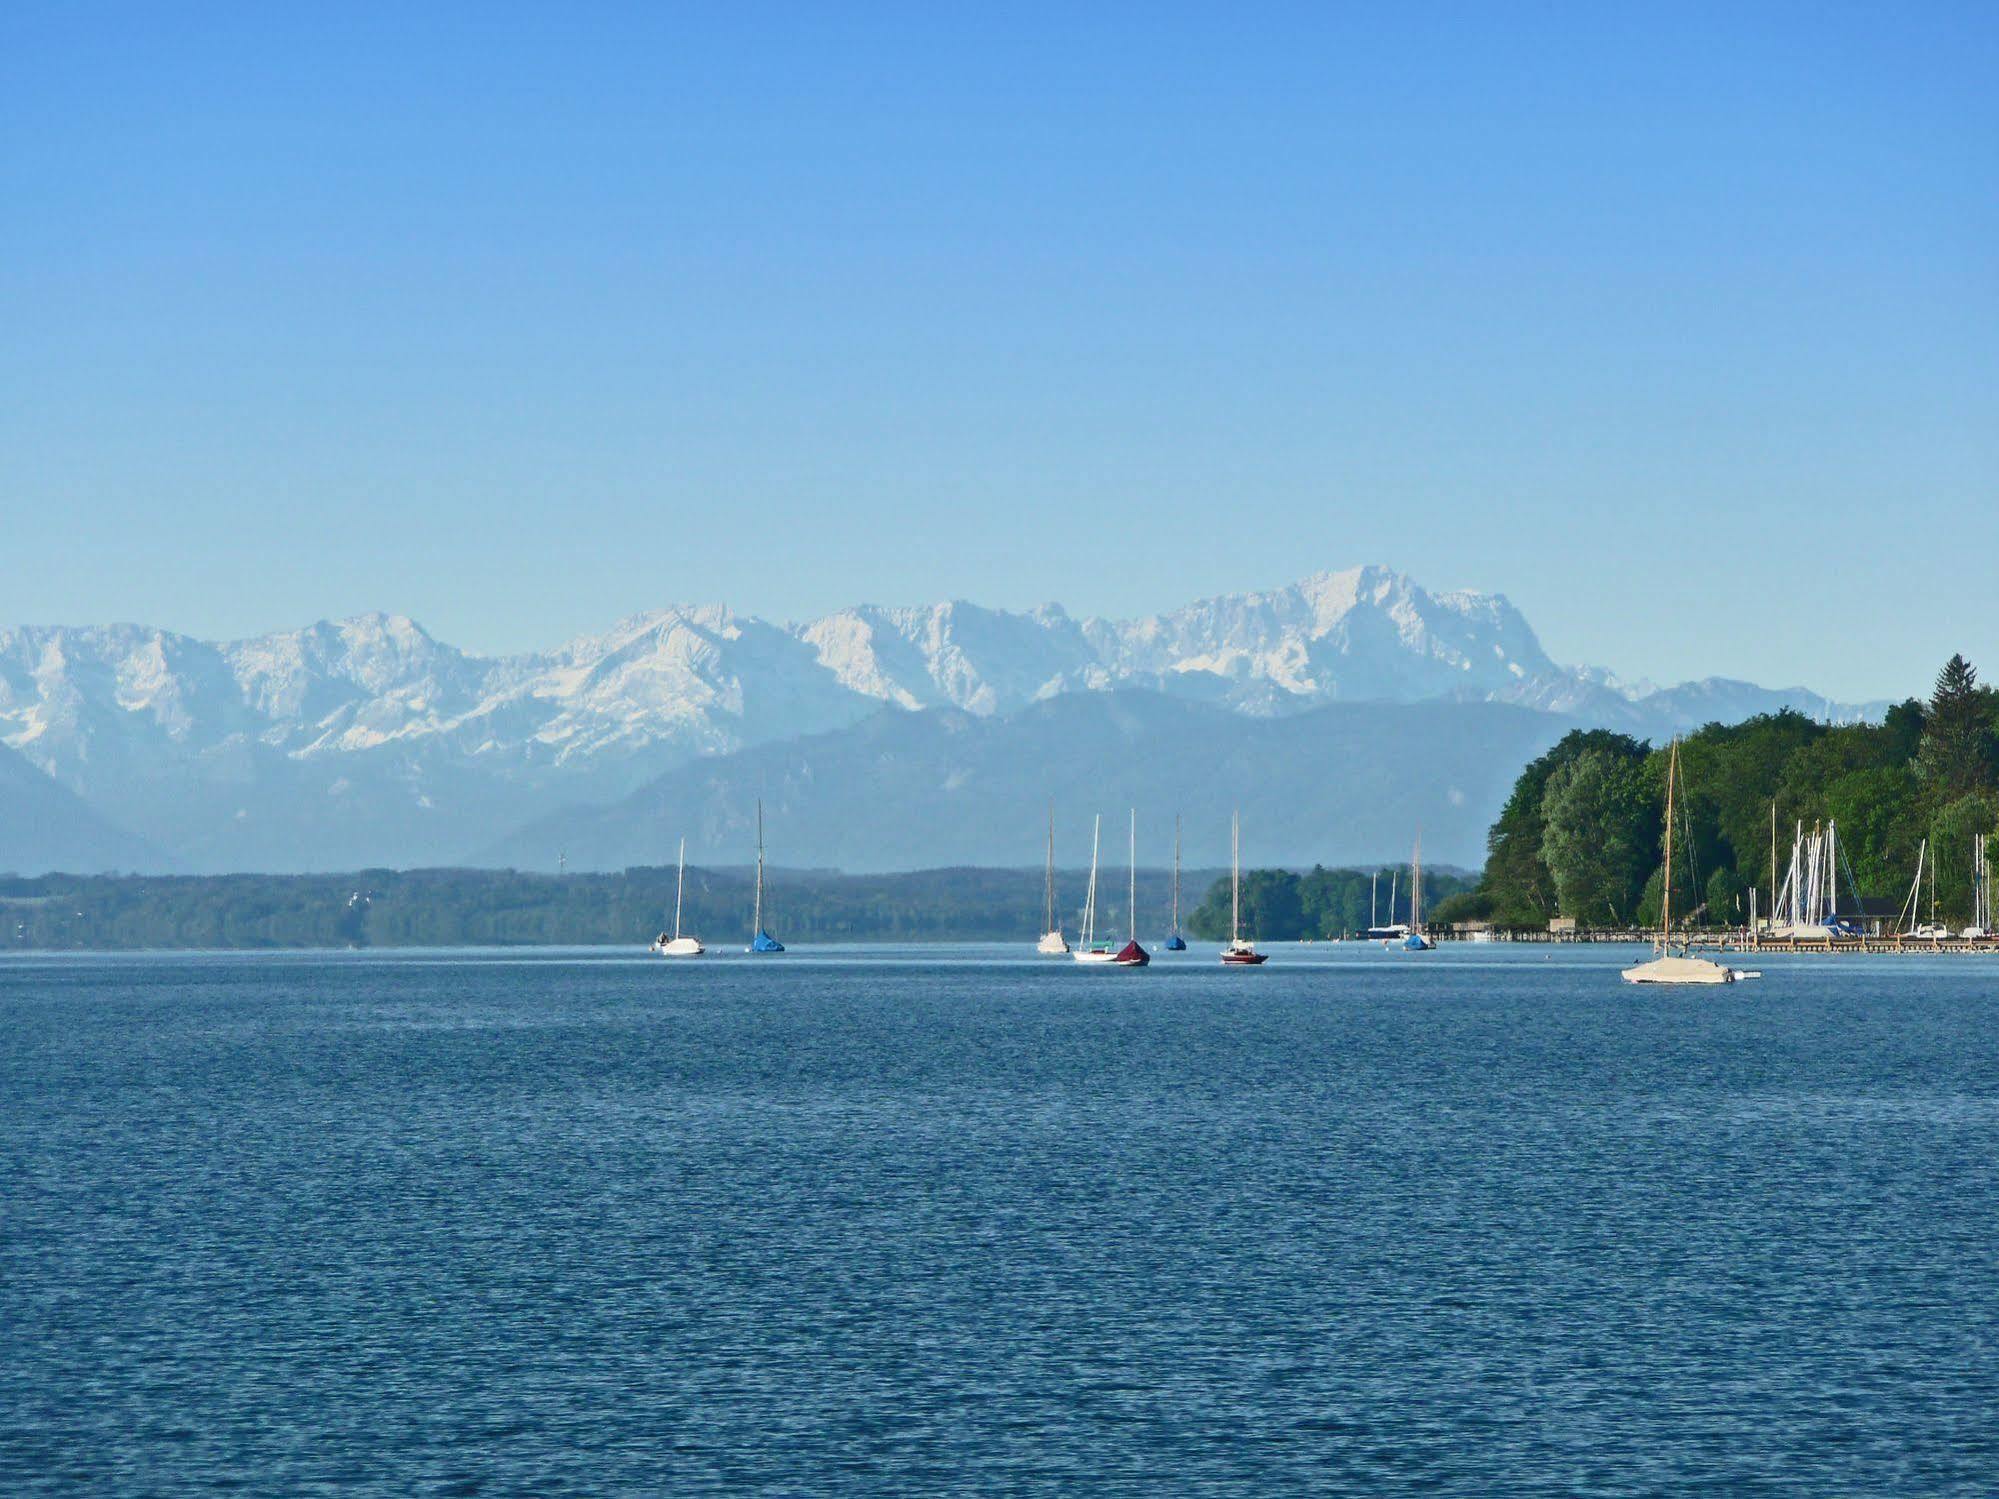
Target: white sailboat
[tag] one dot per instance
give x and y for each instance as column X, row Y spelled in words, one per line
column 677, row 946
column 1052, row 944
column 1391, row 932
column 1088, row 949
column 1683, row 968
column 1910, row 922
column 1238, row 954
column 1981, row 891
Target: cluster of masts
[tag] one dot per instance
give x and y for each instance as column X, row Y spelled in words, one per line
column 1910, row 923
column 1238, row 952
column 1806, row 907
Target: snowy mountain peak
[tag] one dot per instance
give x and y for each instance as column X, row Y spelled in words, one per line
column 166, row 733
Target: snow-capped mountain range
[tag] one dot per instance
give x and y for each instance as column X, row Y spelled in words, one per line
column 368, row 741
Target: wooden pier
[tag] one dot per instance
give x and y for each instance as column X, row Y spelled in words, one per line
column 1745, row 942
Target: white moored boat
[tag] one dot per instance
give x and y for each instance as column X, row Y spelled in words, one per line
column 1052, row 944
column 677, row 946
column 1238, row 954
column 1669, row 967
column 1088, row 949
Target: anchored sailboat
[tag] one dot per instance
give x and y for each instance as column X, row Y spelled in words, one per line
column 763, row 941
column 1414, row 940
column 1052, row 944
column 1088, row 949
column 1238, row 954
column 1131, row 955
column 1685, row 968
column 1910, row 922
column 677, row 946
column 1391, row 932
column 1981, row 890
column 1176, row 943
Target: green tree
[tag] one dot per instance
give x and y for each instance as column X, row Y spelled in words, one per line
column 1466, row 905
column 1602, row 831
column 1957, row 753
column 1879, row 812
column 1518, row 885
column 1727, row 899
column 1951, row 833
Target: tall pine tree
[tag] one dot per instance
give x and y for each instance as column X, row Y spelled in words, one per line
column 1956, row 757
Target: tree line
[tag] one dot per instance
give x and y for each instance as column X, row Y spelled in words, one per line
column 1582, row 832
column 481, row 907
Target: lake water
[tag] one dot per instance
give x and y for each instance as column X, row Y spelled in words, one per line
column 1481, row 1221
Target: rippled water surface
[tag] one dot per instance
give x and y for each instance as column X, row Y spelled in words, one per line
column 1481, row 1221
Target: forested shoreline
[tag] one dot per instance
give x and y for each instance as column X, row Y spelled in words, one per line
column 1581, row 835
column 479, row 907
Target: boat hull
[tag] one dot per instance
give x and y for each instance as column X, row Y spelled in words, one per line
column 679, row 947
column 1244, row 959
column 1680, row 971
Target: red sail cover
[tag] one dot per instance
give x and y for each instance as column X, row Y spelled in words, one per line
column 1132, row 955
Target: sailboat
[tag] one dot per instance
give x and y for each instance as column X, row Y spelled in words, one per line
column 677, row 946
column 1666, row 968
column 763, row 941
column 1052, row 944
column 1238, row 954
column 1391, row 932
column 1910, row 922
column 1131, row 955
column 1981, row 891
column 1088, row 949
column 1176, row 943
column 1414, row 940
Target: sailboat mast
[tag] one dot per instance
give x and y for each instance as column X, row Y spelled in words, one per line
column 758, row 921
column 1176, row 873
column 1050, row 900
column 1416, row 884
column 1773, row 856
column 1235, row 876
column 679, row 884
column 1090, row 901
column 1666, row 883
column 1131, row 897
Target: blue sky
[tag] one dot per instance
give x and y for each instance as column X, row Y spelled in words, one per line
column 1677, row 324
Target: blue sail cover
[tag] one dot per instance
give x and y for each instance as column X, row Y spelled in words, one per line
column 1173, row 944
column 1417, row 942
column 765, row 942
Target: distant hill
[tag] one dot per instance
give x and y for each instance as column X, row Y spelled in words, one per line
column 44, row 826
column 1344, row 783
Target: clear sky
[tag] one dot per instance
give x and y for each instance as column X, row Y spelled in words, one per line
column 1677, row 324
